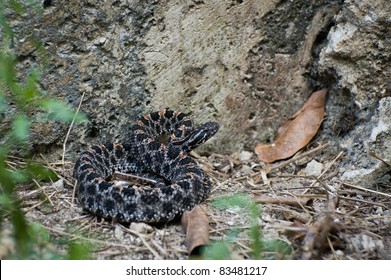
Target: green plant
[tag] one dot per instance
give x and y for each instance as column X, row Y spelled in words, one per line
column 22, row 103
column 261, row 248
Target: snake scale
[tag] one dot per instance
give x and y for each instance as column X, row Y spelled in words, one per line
column 182, row 183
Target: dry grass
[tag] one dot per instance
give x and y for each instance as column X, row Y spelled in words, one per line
column 318, row 216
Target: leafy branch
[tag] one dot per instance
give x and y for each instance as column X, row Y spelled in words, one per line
column 22, row 103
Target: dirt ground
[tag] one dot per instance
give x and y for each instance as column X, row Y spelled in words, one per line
column 303, row 203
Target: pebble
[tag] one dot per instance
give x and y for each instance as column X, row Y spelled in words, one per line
column 313, row 168
column 141, row 227
column 245, row 155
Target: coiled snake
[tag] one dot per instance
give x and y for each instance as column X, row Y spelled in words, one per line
column 181, row 183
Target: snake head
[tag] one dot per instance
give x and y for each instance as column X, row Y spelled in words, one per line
column 197, row 137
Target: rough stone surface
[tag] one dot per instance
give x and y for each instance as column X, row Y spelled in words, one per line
column 247, row 64
column 92, row 48
column 378, row 145
column 235, row 61
column 357, row 58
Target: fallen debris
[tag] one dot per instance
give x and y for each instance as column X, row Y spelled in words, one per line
column 196, row 225
column 297, row 132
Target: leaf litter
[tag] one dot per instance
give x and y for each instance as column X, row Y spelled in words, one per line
column 318, row 217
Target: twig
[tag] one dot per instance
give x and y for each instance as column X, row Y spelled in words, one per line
column 132, row 177
column 39, row 203
column 326, row 188
column 89, row 239
column 220, row 230
column 43, row 190
column 74, row 192
column 160, row 248
column 69, row 130
column 332, row 248
column 378, row 158
column 328, row 168
column 377, row 217
column 310, row 152
column 156, row 254
column 364, row 189
column 324, row 224
column 362, row 201
column 285, row 163
column 292, row 201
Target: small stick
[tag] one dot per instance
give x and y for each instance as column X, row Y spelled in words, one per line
column 378, row 158
column 320, row 229
column 74, row 192
column 131, row 177
column 328, row 168
column 70, row 128
column 43, row 190
column 285, row 163
column 292, row 201
column 377, row 217
column 362, row 201
column 365, row 189
column 314, row 150
column 87, row 239
column 156, row 254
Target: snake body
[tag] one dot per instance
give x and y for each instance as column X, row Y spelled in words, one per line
column 182, row 184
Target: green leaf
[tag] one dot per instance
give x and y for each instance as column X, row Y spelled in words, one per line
column 20, row 176
column 7, row 69
column 77, row 251
column 58, row 110
column 21, row 234
column 16, row 6
column 3, row 105
column 38, row 232
column 236, row 200
column 6, row 179
column 8, row 33
column 30, row 90
column 5, row 202
column 37, row 170
column 20, row 128
column 218, row 251
column 280, row 249
column 250, row 209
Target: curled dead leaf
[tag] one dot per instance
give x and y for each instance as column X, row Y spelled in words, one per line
column 196, row 225
column 295, row 133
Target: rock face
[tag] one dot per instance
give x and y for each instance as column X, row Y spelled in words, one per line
column 236, row 62
column 357, row 57
column 246, row 64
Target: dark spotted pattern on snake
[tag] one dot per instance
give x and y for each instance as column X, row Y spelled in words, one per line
column 182, row 185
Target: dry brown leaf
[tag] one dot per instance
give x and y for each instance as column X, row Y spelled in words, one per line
column 295, row 133
column 196, row 225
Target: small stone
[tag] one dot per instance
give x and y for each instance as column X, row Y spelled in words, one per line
column 140, row 227
column 100, row 41
column 313, row 168
column 245, row 156
column 58, row 184
column 245, row 170
column 118, row 232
